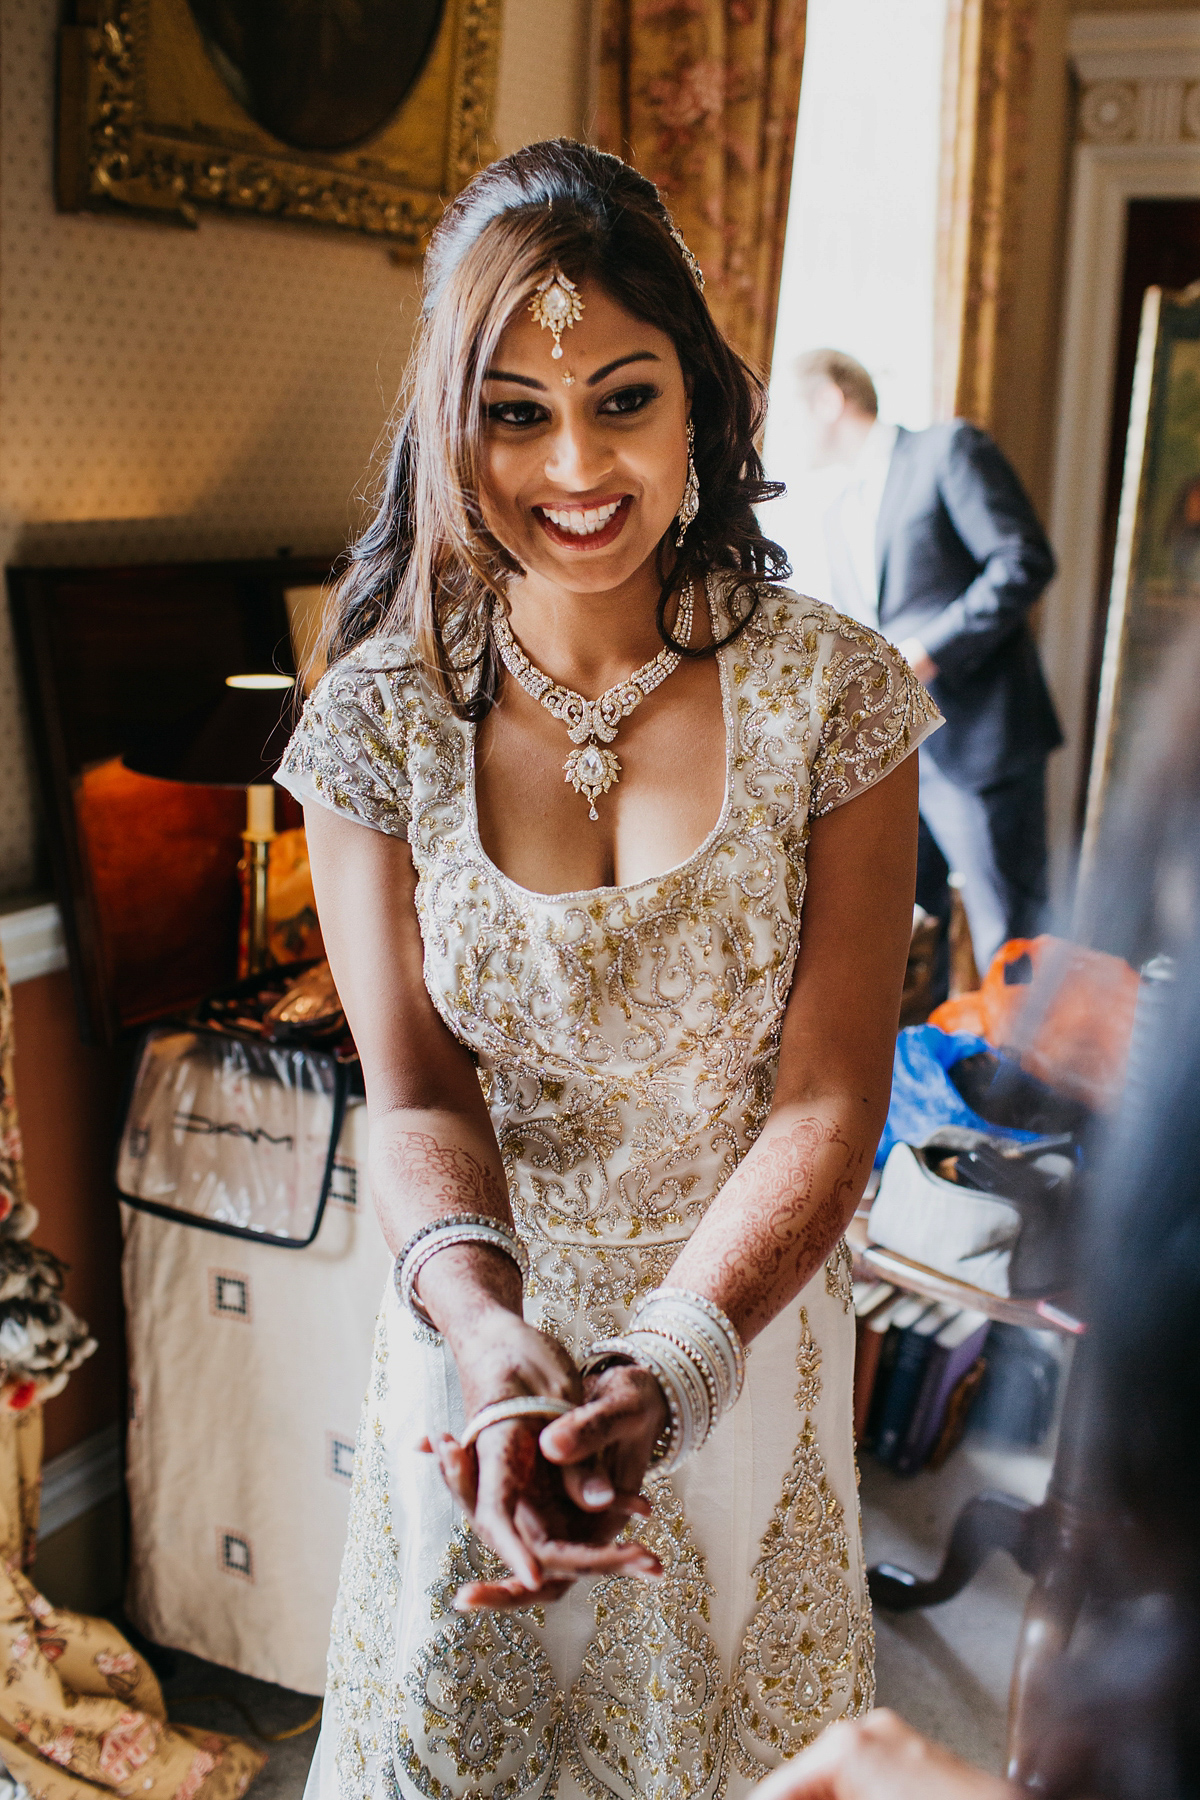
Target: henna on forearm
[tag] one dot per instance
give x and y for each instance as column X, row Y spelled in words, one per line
column 776, row 1219
column 450, row 1176
column 425, row 1166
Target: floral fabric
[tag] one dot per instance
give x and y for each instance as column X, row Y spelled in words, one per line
column 82, row 1714
column 702, row 96
column 41, row 1339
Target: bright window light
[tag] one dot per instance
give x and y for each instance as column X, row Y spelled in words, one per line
column 860, row 255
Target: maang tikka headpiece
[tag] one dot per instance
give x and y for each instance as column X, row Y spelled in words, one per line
column 556, row 306
column 689, row 257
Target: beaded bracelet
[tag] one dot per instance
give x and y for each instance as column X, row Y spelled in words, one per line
column 442, row 1234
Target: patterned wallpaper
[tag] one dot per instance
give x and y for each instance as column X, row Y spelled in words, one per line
column 167, row 393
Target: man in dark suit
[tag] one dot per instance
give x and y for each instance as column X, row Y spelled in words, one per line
column 932, row 540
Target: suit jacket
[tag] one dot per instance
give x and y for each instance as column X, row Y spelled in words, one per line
column 961, row 559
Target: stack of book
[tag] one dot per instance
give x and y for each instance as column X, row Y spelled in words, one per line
column 918, row 1366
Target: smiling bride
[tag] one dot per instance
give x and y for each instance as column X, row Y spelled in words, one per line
column 614, row 844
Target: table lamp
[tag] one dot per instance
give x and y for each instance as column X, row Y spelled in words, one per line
column 236, row 742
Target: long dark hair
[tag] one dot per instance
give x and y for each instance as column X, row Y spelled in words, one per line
column 426, row 566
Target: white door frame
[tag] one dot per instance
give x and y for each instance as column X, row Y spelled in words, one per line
column 1138, row 138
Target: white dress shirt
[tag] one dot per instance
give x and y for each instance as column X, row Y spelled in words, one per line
column 850, row 524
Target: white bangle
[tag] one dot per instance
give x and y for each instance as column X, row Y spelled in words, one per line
column 442, row 1234
column 709, row 1335
column 521, row 1406
column 694, row 1352
column 683, row 1390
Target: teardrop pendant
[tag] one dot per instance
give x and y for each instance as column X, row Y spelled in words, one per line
column 592, row 770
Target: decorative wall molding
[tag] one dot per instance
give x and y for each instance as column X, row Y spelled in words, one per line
column 1138, row 138
column 1139, row 76
column 1139, row 112
column 81, row 1478
column 32, row 942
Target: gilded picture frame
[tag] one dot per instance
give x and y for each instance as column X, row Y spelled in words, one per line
column 1155, row 590
column 153, row 118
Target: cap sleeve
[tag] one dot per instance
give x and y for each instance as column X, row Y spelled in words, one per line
column 873, row 713
column 347, row 752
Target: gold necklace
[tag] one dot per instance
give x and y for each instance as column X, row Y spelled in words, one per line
column 592, row 769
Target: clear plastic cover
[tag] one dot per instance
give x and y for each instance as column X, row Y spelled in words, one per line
column 229, row 1133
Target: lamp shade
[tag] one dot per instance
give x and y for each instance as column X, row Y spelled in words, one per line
column 237, row 741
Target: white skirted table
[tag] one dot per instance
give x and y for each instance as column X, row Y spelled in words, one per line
column 248, row 1365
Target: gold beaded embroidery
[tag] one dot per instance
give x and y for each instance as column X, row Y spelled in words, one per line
column 648, row 1714
column 627, row 1037
column 485, row 1693
column 362, row 1692
column 627, row 1041
column 807, row 1655
column 839, row 1275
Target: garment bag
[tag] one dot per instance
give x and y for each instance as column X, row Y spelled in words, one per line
column 231, row 1134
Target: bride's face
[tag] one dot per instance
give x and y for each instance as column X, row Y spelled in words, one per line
column 581, row 477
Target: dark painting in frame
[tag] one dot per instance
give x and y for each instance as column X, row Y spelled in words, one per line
column 366, row 117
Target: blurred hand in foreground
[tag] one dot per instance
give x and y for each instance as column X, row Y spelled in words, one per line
column 879, row 1758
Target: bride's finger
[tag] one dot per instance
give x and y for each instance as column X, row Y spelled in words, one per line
column 586, row 1432
column 505, row 1466
column 564, row 1558
column 504, row 1596
column 589, row 1485
column 458, row 1470
column 630, row 1464
column 611, row 1485
column 595, row 1555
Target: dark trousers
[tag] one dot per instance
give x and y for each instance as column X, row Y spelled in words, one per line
column 996, row 840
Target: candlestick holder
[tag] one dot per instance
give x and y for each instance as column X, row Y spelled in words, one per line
column 237, row 742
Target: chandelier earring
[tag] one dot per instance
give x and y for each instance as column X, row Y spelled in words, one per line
column 689, row 506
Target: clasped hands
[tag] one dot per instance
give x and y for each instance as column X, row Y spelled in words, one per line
column 550, row 1499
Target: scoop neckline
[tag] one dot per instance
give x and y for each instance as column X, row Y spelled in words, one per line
column 628, row 887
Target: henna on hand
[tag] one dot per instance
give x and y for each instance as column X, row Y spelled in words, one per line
column 775, row 1221
column 515, row 1502
column 514, row 1498
column 603, row 1448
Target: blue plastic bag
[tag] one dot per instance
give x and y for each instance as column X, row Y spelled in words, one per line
column 923, row 1095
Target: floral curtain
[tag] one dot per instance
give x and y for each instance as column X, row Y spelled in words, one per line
column 702, row 96
column 985, row 99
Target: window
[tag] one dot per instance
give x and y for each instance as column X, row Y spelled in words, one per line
column 861, row 249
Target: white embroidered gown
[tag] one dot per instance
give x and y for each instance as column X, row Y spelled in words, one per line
column 627, row 1040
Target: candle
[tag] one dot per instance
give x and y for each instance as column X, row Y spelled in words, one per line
column 260, row 813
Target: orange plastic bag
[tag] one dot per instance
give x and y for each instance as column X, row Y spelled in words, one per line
column 1069, row 1023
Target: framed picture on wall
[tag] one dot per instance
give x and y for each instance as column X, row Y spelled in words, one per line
column 367, row 116
column 1156, row 569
